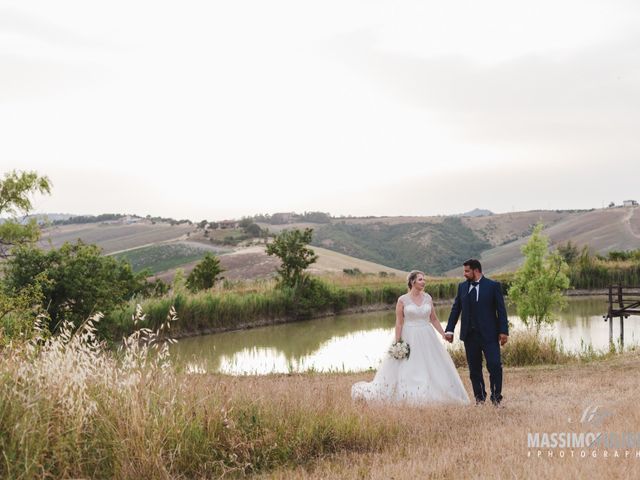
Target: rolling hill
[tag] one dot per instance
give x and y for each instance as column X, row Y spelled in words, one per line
column 435, row 244
column 602, row 230
column 115, row 237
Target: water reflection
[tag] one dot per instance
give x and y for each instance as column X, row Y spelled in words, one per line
column 359, row 342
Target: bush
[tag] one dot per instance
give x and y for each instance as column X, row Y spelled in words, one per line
column 205, row 274
column 75, row 280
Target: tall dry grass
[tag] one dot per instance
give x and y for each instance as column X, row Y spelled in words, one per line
column 526, row 348
column 71, row 408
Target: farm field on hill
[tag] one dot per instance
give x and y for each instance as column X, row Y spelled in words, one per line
column 162, row 257
column 113, row 238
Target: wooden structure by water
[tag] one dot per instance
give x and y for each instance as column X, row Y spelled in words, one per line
column 623, row 302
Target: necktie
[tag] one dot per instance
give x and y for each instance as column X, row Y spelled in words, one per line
column 474, row 290
column 473, row 301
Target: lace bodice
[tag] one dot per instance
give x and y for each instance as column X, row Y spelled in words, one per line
column 413, row 313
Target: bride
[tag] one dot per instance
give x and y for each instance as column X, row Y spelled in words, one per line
column 428, row 375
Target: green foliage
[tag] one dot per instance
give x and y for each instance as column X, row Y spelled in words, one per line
column 569, row 253
column 621, row 256
column 354, row 272
column 15, row 200
column 82, row 219
column 205, row 274
column 179, row 282
column 290, row 246
column 432, row 247
column 539, row 284
column 591, row 273
column 253, row 230
column 18, row 312
column 279, row 219
column 75, row 280
column 239, row 306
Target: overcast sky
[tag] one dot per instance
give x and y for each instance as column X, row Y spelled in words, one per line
column 218, row 109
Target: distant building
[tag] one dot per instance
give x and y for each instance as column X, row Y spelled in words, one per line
column 226, row 224
column 630, row 203
column 282, row 218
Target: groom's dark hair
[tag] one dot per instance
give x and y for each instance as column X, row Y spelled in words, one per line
column 473, row 264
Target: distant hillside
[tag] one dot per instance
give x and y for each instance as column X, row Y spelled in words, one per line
column 114, row 237
column 477, row 212
column 602, row 230
column 434, row 247
column 436, row 244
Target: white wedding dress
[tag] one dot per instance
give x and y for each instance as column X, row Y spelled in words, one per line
column 427, row 376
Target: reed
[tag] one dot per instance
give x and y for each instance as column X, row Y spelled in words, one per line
column 239, row 305
column 526, row 348
column 595, row 273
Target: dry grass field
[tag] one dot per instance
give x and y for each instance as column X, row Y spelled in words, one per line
column 482, row 442
column 114, row 238
column 334, row 262
column 252, row 262
column 601, row 230
column 502, row 228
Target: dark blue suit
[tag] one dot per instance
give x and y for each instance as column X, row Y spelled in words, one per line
column 482, row 322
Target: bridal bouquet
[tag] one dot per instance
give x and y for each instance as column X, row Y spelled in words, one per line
column 399, row 350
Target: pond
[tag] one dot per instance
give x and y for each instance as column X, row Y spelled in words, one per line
column 358, row 342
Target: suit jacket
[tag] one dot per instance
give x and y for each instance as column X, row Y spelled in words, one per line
column 490, row 311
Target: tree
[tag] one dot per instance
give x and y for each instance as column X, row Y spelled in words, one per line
column 569, row 252
column 205, row 274
column 75, row 280
column 290, row 246
column 539, row 284
column 15, row 200
column 253, row 230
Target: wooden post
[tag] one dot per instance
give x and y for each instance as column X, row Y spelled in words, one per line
column 620, row 304
column 610, row 316
column 621, row 332
column 610, row 329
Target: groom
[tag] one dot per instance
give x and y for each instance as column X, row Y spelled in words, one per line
column 484, row 328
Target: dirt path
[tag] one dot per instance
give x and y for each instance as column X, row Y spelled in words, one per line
column 627, row 221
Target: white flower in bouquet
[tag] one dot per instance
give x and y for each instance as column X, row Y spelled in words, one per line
column 399, row 350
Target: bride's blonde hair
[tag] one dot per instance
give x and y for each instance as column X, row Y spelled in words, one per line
column 411, row 278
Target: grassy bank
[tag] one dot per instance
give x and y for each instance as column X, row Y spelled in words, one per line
column 71, row 409
column 244, row 304
column 235, row 305
column 595, row 273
